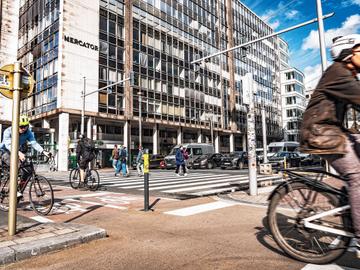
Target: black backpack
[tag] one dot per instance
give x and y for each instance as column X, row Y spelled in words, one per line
column 88, row 148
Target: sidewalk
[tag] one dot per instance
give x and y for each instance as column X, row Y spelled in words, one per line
column 34, row 238
column 244, row 196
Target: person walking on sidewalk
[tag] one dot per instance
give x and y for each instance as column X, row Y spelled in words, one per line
column 115, row 158
column 180, row 161
column 140, row 162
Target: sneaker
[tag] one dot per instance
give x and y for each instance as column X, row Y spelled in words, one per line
column 185, row 174
column 178, row 174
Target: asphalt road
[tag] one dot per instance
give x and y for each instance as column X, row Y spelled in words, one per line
column 233, row 237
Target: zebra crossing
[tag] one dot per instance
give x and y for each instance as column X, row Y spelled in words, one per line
column 166, row 182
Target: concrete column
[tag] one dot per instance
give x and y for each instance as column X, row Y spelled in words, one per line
column 1, row 131
column 45, row 123
column 217, row 142
column 179, row 136
column 244, row 143
column 156, row 139
column 232, row 142
column 127, row 130
column 200, row 137
column 94, row 132
column 63, row 152
column 88, row 128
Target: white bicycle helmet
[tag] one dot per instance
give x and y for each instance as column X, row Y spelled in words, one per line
column 341, row 49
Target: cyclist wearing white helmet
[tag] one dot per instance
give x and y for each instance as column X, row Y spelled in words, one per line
column 25, row 135
column 323, row 129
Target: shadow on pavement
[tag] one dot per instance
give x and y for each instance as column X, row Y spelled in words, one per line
column 91, row 209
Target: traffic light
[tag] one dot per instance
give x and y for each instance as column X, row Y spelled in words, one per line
column 132, row 79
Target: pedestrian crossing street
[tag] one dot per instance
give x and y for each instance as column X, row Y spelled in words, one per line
column 196, row 183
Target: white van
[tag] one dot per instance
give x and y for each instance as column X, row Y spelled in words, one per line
column 194, row 150
column 276, row 147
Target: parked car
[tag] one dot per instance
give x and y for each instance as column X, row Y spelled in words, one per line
column 293, row 159
column 208, row 161
column 312, row 160
column 236, row 159
column 154, row 162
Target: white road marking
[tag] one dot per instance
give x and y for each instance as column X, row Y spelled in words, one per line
column 95, row 194
column 326, row 267
column 42, row 219
column 202, row 208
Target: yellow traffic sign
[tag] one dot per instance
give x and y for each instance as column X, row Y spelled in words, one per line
column 146, row 163
column 7, row 85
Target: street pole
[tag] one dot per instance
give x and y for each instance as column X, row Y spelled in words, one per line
column 146, row 180
column 14, row 159
column 263, row 118
column 211, row 131
column 248, row 88
column 83, row 108
column 140, row 117
column 321, row 35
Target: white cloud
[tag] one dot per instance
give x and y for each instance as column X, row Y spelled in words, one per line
column 313, row 75
column 350, row 26
column 347, row 3
column 275, row 24
column 292, row 13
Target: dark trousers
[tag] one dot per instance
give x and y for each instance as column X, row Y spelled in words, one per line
column 178, row 167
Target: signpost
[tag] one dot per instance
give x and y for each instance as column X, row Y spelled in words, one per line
column 15, row 83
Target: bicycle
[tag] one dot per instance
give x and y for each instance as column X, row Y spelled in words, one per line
column 91, row 180
column 41, row 195
column 309, row 219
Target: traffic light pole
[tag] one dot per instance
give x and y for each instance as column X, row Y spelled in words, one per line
column 84, row 95
column 14, row 158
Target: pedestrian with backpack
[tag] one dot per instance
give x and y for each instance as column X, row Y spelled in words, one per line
column 140, row 162
column 123, row 161
column 115, row 158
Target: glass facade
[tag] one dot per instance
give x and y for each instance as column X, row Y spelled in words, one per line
column 38, row 51
column 167, row 36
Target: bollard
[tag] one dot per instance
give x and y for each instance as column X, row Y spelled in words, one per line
column 146, row 180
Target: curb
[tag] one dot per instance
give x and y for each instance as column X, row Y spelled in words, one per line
column 27, row 250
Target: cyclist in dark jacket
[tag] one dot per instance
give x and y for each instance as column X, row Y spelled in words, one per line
column 323, row 130
column 85, row 153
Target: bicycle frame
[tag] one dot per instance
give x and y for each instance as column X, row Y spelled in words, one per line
column 308, row 224
column 318, row 184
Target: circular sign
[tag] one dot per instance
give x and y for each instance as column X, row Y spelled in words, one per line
column 7, row 82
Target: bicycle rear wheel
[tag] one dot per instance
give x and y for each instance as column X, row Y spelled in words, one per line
column 93, row 180
column 74, row 178
column 41, row 195
column 4, row 194
column 287, row 209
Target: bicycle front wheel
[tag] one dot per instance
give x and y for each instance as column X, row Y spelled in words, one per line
column 74, row 178
column 287, row 209
column 41, row 195
column 93, row 180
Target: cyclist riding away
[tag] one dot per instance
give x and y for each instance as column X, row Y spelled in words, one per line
column 323, row 130
column 85, row 153
column 26, row 135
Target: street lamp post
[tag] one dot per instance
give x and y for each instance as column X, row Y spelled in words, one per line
column 84, row 95
column 263, row 118
column 140, row 118
column 83, row 109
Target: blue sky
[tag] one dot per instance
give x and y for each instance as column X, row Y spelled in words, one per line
column 303, row 42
